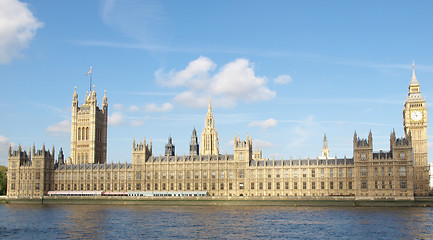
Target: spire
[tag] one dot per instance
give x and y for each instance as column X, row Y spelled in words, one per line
column 413, row 81
column 75, row 96
column 104, row 99
column 325, row 141
column 325, row 149
column 209, row 108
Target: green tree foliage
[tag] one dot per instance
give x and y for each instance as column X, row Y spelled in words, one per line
column 3, row 180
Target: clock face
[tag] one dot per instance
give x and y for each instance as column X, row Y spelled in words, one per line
column 416, row 116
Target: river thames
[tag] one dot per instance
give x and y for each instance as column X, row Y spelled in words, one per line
column 212, row 222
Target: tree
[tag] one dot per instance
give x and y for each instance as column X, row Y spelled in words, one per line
column 3, row 180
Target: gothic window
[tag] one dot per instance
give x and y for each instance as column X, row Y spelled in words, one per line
column 222, row 174
column 322, row 185
column 331, row 173
column 349, row 172
column 313, row 185
column 196, row 175
column 364, row 172
column 340, row 172
column 402, row 171
column 241, row 174
column 79, row 133
column 313, row 173
column 304, row 173
column 252, row 186
column 341, row 185
column 87, row 133
column 331, row 185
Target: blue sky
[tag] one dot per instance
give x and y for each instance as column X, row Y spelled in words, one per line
column 283, row 72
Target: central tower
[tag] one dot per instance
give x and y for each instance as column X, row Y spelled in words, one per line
column 209, row 136
column 89, row 129
column 415, row 124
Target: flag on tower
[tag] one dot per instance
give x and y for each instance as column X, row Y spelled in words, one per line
column 89, row 72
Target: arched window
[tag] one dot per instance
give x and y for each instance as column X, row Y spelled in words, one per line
column 87, row 133
column 83, row 133
column 79, row 133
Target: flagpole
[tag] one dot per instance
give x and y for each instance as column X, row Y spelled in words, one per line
column 90, row 87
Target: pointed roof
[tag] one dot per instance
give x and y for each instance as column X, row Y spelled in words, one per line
column 413, row 81
column 325, row 141
column 209, row 108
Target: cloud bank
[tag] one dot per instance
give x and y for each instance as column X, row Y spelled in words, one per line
column 233, row 82
column 18, row 26
column 268, row 123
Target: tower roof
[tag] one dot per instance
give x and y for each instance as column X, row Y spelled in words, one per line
column 413, row 81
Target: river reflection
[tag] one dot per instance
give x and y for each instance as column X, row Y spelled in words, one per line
column 212, row 222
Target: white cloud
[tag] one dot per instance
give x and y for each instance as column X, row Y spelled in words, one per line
column 18, row 26
column 138, row 122
column 144, row 21
column 283, row 79
column 235, row 81
column 257, row 143
column 4, row 143
column 152, row 107
column 190, row 99
column 116, row 119
column 117, row 107
column 268, row 123
column 60, row 127
column 195, row 75
column 303, row 131
column 133, row 108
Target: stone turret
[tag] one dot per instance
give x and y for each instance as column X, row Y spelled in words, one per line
column 194, row 148
column 169, row 148
column 243, row 150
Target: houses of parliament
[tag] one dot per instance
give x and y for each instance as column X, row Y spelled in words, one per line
column 399, row 174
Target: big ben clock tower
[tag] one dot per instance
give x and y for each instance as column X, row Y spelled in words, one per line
column 415, row 123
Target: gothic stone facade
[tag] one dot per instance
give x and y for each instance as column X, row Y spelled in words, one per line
column 368, row 175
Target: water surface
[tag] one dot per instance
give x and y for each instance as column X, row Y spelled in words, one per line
column 212, row 222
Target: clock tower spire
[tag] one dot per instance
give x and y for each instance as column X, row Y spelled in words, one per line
column 415, row 124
